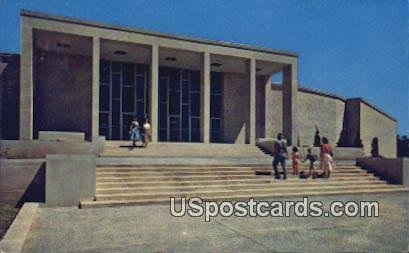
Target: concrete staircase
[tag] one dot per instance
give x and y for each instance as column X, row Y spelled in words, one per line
column 182, row 149
column 140, row 185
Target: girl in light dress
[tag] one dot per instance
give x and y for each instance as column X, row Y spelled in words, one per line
column 296, row 159
column 134, row 131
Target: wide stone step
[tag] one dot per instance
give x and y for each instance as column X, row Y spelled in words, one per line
column 203, row 172
column 237, row 197
column 204, row 177
column 154, row 189
column 138, row 183
column 218, row 181
column 206, row 169
column 249, row 192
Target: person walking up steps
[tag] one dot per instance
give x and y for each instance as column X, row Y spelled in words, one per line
column 326, row 161
column 312, row 158
column 280, row 155
column 296, row 159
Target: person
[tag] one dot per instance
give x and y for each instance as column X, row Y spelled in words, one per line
column 134, row 131
column 146, row 132
column 326, row 161
column 295, row 157
column 312, row 158
column 317, row 138
column 280, row 155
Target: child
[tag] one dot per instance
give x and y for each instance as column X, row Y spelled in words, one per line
column 295, row 157
column 312, row 158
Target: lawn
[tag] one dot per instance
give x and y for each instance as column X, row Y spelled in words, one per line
column 7, row 215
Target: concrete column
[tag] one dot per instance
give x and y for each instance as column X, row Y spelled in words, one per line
column 26, row 81
column 154, row 92
column 252, row 111
column 290, row 90
column 205, row 98
column 95, row 88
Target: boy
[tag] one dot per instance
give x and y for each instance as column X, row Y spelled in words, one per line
column 312, row 158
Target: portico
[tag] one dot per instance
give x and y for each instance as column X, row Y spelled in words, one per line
column 93, row 78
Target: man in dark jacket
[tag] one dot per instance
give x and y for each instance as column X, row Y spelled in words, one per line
column 280, row 155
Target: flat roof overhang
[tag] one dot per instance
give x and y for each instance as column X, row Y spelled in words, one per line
column 259, row 52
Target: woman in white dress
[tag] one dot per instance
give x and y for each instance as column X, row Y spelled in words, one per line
column 146, row 132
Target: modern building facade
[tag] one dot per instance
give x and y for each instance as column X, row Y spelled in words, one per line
column 81, row 76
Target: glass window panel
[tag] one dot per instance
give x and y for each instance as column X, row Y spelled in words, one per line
column 116, row 66
column 195, row 81
column 174, row 83
column 174, row 103
column 163, row 114
column 215, row 136
column 115, row 112
column 185, row 134
column 128, row 72
column 103, row 132
column 103, row 120
column 215, row 106
column 216, row 125
column 195, row 123
column 163, row 90
column 104, row 71
column 140, row 87
column 125, row 134
column 127, row 120
column 185, row 74
column 147, row 98
column 104, row 98
column 174, row 128
column 216, row 82
column 163, row 135
column 185, row 116
column 195, row 135
column 115, row 133
column 116, row 85
column 128, row 99
column 140, row 69
column 140, row 109
column 195, row 104
column 185, row 92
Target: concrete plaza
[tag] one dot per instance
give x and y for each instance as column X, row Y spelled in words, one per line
column 153, row 229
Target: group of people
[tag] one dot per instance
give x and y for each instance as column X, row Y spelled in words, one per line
column 140, row 133
column 281, row 155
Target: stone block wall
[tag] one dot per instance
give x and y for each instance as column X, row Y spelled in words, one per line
column 337, row 118
column 376, row 127
column 62, row 94
column 326, row 112
column 273, row 112
column 236, row 108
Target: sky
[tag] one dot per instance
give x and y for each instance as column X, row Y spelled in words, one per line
column 351, row 48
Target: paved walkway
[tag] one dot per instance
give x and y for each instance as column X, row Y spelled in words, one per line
column 152, row 229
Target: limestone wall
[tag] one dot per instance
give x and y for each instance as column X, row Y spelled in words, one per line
column 62, row 94
column 375, row 124
column 235, row 109
column 326, row 112
column 332, row 114
column 273, row 112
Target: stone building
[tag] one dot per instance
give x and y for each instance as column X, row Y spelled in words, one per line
column 80, row 76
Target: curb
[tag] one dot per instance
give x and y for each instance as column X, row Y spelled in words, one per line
column 13, row 241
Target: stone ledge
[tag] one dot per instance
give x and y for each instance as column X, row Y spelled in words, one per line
column 61, row 136
column 13, row 241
